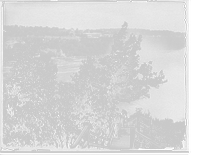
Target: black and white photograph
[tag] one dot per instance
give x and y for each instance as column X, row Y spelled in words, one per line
column 94, row 77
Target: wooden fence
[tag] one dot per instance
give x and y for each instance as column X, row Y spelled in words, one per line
column 135, row 132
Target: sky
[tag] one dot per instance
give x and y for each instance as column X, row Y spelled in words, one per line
column 146, row 15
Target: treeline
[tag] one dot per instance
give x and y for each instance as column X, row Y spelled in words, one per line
column 170, row 132
column 13, row 31
column 88, row 41
column 76, row 44
column 70, row 47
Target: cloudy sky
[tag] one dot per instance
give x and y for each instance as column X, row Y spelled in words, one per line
column 159, row 16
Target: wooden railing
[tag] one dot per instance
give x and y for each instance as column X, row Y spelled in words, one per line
column 96, row 141
column 136, row 133
column 133, row 138
column 145, row 120
column 139, row 120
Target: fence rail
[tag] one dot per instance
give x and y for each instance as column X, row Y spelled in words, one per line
column 133, row 139
column 136, row 133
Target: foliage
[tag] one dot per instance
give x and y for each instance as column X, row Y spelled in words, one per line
column 164, row 131
column 33, row 127
column 8, row 54
column 54, row 31
column 88, row 98
column 15, row 30
column 129, row 80
column 71, row 42
column 32, row 116
column 33, row 77
column 169, row 131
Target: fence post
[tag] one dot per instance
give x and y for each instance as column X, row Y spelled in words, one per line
column 132, row 137
column 87, row 133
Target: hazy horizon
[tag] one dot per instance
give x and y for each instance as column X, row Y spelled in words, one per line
column 116, row 28
column 139, row 15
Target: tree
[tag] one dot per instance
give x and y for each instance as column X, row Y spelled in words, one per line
column 94, row 90
column 133, row 81
column 33, row 118
column 87, row 98
column 32, row 127
column 33, row 76
column 174, row 132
